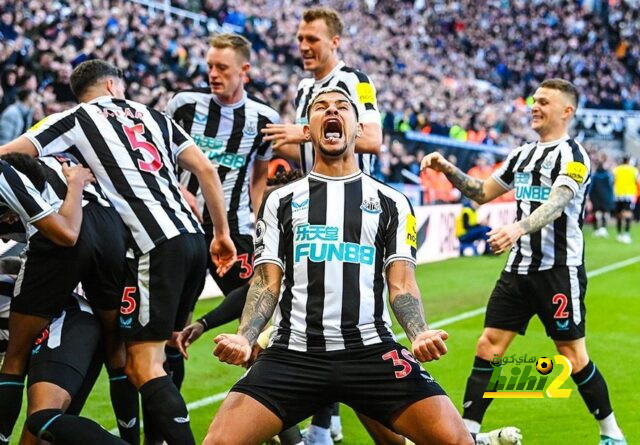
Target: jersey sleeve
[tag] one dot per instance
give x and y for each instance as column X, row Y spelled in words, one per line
column 265, row 151
column 21, row 196
column 172, row 107
column 401, row 237
column 363, row 93
column 505, row 174
column 179, row 139
column 55, row 133
column 269, row 239
column 574, row 167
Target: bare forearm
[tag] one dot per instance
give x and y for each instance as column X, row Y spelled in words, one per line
column 214, row 197
column 71, row 208
column 261, row 302
column 472, row 188
column 549, row 211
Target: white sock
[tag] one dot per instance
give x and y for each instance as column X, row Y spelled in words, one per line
column 609, row 427
column 472, row 426
column 335, row 423
column 319, row 435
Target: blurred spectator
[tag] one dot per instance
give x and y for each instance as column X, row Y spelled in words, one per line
column 483, row 167
column 437, row 188
column 468, row 230
column 18, row 117
column 601, row 196
column 400, row 160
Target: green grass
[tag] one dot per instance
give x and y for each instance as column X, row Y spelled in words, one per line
column 455, row 286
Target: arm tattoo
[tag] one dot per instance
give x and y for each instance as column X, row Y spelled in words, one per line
column 408, row 310
column 261, row 302
column 470, row 187
column 549, row 211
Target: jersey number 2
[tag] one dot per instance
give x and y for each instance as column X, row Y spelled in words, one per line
column 145, row 146
column 560, row 312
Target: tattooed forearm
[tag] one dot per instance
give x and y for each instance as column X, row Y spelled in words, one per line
column 262, row 299
column 470, row 187
column 549, row 211
column 408, row 310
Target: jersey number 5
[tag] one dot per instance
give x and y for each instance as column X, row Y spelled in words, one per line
column 144, row 146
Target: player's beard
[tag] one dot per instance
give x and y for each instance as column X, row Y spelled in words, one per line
column 336, row 153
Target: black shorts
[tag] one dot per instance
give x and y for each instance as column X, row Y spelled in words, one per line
column 555, row 295
column 242, row 270
column 623, row 205
column 376, row 381
column 50, row 272
column 65, row 350
column 160, row 288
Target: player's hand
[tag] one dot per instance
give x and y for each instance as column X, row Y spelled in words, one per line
column 187, row 336
column 223, row 254
column 501, row 240
column 232, row 348
column 77, row 175
column 429, row 345
column 283, row 134
column 436, row 162
column 193, row 202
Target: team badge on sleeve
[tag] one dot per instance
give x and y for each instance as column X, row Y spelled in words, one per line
column 577, row 171
column 365, row 92
column 412, row 231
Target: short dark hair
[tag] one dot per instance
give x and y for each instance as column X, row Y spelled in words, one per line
column 29, row 167
column 565, row 87
column 626, row 159
column 89, row 73
column 23, row 94
column 330, row 16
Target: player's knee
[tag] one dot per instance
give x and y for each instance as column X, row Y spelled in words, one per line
column 488, row 345
column 578, row 359
column 38, row 422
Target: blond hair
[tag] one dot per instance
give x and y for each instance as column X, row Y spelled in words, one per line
column 234, row 41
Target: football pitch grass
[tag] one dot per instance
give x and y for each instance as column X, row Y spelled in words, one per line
column 455, row 287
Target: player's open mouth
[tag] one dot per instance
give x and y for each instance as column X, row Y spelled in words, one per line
column 332, row 130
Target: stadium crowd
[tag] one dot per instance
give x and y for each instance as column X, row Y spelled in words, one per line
column 461, row 76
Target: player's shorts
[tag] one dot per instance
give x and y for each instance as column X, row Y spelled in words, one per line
column 555, row 295
column 241, row 271
column 377, row 381
column 623, row 205
column 50, row 272
column 65, row 350
column 160, row 288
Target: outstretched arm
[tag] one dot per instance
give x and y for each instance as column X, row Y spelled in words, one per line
column 406, row 304
column 261, row 302
column 479, row 190
column 503, row 238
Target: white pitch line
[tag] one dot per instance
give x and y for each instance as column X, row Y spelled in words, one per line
column 437, row 324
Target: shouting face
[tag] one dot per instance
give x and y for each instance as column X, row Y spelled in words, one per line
column 333, row 124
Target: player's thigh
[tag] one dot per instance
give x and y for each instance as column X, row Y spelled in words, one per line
column 242, row 420
column 433, row 420
column 509, row 308
column 380, row 434
column 559, row 294
column 65, row 351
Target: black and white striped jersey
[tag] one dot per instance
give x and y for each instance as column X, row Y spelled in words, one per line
column 532, row 170
column 57, row 183
column 133, row 152
column 333, row 238
column 19, row 194
column 363, row 94
column 230, row 137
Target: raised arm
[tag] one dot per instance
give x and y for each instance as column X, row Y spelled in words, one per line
column 261, row 302
column 503, row 238
column 481, row 191
column 406, row 304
